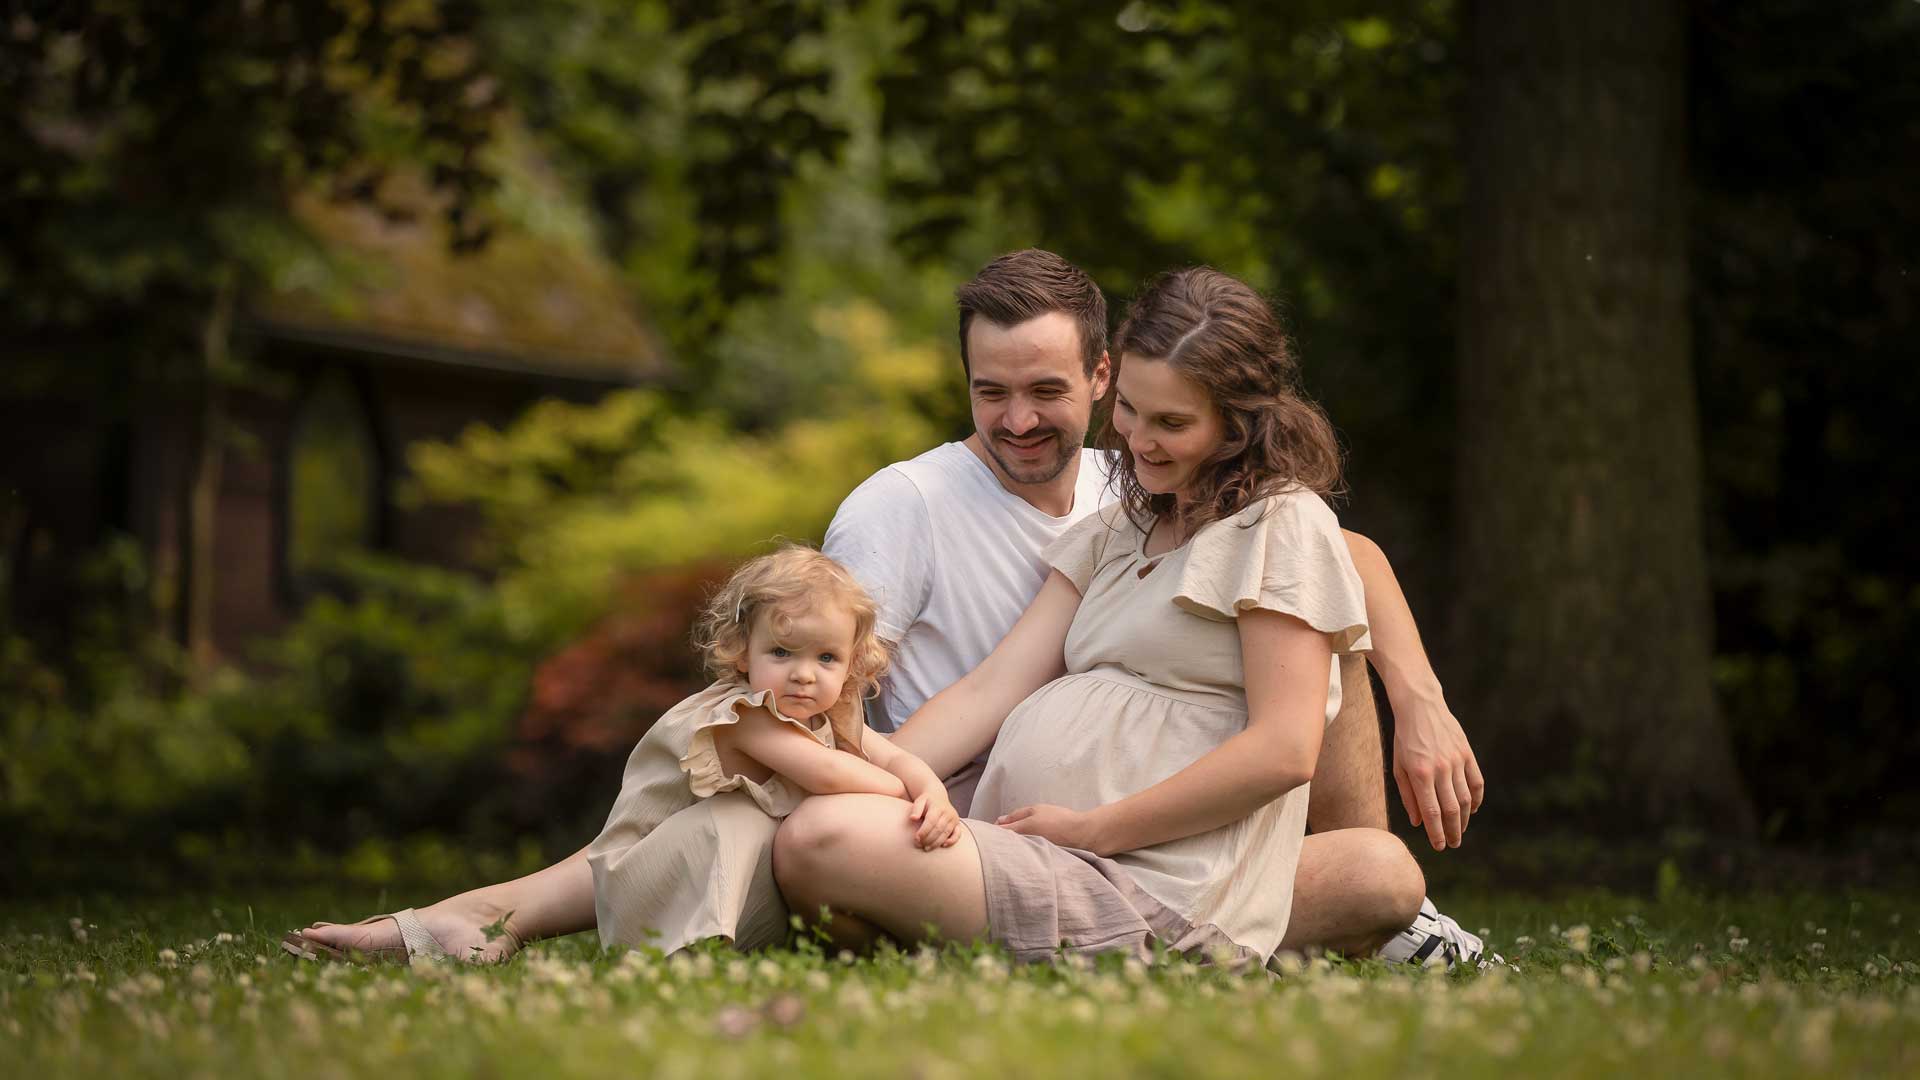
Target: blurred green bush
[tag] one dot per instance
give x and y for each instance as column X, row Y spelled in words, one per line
column 398, row 705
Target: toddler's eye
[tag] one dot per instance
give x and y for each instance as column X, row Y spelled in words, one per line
column 780, row 652
column 828, row 658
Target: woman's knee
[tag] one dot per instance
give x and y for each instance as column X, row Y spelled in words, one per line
column 810, row 838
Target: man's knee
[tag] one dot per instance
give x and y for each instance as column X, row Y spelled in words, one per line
column 1393, row 884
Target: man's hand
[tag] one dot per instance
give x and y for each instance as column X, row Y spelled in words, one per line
column 1068, row 828
column 939, row 821
column 1439, row 780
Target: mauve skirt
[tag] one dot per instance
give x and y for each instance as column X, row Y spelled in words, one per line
column 1044, row 900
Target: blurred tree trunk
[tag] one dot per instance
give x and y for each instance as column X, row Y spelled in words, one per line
column 1584, row 624
column 203, row 493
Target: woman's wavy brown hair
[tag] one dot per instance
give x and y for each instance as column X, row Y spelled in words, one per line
column 782, row 585
column 1214, row 330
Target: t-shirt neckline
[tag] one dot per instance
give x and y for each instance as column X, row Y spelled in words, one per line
column 993, row 478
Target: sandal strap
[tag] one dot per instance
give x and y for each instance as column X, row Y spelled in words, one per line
column 419, row 940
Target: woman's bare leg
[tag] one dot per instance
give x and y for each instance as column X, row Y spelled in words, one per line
column 854, row 855
column 546, row 903
column 1354, row 890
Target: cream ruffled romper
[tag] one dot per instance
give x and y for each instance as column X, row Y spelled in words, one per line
column 687, row 852
column 1154, row 682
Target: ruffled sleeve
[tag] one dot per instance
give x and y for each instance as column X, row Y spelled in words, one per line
column 1079, row 551
column 1284, row 553
column 707, row 776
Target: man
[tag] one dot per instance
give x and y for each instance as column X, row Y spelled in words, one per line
column 950, row 545
column 950, row 542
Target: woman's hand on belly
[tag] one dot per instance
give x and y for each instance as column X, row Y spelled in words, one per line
column 1067, row 828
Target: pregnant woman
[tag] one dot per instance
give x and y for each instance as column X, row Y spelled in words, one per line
column 1159, row 707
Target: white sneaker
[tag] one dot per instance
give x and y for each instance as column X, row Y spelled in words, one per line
column 1434, row 940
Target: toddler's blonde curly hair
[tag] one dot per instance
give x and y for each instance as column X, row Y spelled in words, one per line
column 784, row 584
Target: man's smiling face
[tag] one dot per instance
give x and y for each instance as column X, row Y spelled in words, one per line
column 1032, row 400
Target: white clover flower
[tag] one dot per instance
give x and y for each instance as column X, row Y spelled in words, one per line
column 734, row 1021
column 1579, row 938
column 990, row 967
column 1738, row 944
column 168, row 958
column 1816, row 1037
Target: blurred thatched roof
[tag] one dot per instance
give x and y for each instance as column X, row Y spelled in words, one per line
column 538, row 299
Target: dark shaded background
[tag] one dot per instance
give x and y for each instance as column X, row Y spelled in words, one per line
column 781, row 196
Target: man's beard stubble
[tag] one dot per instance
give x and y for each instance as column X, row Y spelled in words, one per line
column 1043, row 472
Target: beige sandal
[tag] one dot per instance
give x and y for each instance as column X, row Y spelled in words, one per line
column 416, row 940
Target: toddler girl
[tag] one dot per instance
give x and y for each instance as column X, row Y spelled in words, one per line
column 686, row 853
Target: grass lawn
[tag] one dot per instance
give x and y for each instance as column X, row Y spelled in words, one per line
column 1602, row 984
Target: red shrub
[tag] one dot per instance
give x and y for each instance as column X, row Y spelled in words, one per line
column 596, row 697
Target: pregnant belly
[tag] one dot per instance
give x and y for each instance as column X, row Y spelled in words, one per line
column 1090, row 739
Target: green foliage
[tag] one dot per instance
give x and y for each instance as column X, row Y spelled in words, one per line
column 685, row 123
column 86, row 740
column 1805, row 328
column 388, row 711
column 381, row 710
column 152, row 152
column 575, row 495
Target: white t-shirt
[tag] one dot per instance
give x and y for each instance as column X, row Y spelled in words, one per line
column 952, row 558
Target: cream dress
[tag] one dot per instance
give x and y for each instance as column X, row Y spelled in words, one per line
column 1156, row 681
column 687, row 851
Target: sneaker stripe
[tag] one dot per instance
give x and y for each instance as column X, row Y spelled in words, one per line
column 1434, row 941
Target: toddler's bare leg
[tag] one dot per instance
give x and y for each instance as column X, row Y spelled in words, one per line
column 546, row 903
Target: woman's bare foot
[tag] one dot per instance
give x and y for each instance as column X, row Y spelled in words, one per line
column 461, row 924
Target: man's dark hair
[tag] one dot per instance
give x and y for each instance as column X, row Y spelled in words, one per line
column 1027, row 284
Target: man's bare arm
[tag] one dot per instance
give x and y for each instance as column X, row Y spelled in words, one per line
column 1433, row 764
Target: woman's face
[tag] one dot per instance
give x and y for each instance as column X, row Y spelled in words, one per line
column 1168, row 421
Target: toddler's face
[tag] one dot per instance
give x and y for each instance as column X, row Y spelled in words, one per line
column 803, row 662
